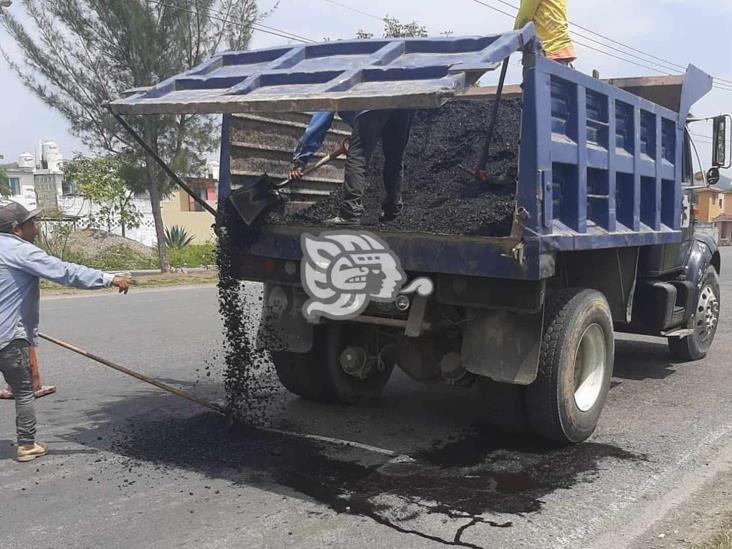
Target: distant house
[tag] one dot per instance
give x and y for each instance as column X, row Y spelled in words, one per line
column 709, row 204
column 723, row 221
column 21, row 181
column 712, row 206
column 180, row 209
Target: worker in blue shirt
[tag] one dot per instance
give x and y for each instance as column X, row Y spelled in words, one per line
column 392, row 127
column 21, row 266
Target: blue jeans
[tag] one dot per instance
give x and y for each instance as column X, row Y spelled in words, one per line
column 16, row 369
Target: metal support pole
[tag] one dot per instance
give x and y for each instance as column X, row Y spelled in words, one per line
column 175, row 177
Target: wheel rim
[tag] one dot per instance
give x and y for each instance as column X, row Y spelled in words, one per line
column 707, row 314
column 589, row 367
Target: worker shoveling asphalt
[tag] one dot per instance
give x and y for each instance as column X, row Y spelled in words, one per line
column 264, row 194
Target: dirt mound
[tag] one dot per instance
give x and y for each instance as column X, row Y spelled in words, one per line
column 440, row 196
column 95, row 243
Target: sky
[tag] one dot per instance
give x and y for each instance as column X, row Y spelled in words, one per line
column 682, row 31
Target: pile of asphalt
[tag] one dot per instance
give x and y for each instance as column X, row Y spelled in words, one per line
column 441, row 195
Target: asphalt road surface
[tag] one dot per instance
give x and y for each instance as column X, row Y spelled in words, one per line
column 132, row 467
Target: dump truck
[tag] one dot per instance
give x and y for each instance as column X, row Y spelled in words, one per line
column 602, row 238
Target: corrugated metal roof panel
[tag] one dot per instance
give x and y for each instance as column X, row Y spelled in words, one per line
column 343, row 75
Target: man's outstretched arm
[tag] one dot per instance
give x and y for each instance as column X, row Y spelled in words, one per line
column 35, row 261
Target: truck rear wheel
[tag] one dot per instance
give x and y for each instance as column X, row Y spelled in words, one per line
column 357, row 370
column 704, row 322
column 305, row 374
column 344, row 365
column 575, row 366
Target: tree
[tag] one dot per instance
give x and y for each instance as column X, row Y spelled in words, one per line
column 103, row 182
column 77, row 55
column 393, row 28
column 5, row 190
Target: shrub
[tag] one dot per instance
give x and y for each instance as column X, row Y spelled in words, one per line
column 177, row 237
column 193, row 255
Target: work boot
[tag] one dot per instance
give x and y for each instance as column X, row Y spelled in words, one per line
column 341, row 221
column 29, row 452
column 389, row 212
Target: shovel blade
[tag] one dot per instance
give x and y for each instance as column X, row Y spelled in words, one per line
column 255, row 200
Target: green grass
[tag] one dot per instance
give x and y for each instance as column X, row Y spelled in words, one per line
column 121, row 257
column 193, row 255
column 125, row 258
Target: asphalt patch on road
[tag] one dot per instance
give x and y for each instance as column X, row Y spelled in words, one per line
column 440, row 193
column 462, row 480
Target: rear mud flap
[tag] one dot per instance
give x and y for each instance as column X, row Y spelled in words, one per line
column 283, row 326
column 503, row 346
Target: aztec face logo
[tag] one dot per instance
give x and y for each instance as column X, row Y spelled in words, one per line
column 343, row 271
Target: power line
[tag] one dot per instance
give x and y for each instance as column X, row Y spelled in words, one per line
column 624, row 45
column 721, row 85
column 489, row 6
column 256, row 26
column 260, row 27
column 355, row 10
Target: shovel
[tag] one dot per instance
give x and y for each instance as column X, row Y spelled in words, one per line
column 264, row 194
column 481, row 172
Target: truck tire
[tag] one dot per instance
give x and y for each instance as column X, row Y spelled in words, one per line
column 348, row 389
column 705, row 320
column 306, row 374
column 575, row 366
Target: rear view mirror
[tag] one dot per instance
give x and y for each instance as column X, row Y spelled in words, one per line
column 719, row 139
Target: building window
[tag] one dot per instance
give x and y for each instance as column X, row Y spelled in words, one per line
column 194, row 206
column 68, row 188
column 14, row 184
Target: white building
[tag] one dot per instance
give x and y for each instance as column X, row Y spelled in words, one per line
column 77, row 206
column 21, row 180
column 37, row 181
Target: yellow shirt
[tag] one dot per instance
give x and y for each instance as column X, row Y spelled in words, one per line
column 552, row 27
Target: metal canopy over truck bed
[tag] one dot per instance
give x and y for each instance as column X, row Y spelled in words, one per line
column 599, row 167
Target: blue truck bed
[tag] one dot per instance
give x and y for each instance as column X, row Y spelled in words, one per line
column 599, row 167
